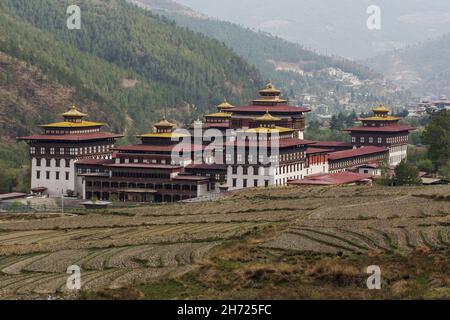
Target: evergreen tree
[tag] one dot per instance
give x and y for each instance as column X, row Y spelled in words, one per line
column 406, row 174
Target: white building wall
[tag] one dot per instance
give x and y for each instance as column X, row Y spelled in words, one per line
column 397, row 154
column 54, row 186
column 253, row 173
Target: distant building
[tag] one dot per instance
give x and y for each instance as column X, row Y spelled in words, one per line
column 383, row 130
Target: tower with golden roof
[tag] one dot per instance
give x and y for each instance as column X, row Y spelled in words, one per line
column 62, row 144
column 383, row 130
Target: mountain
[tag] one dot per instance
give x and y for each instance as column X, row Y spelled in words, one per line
column 334, row 26
column 125, row 67
column 332, row 82
column 423, row 68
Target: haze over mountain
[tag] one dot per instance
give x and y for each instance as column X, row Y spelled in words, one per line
column 336, row 27
column 334, row 83
column 423, row 68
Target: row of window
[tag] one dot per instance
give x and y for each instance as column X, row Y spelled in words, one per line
column 359, row 160
column 52, row 131
column 48, row 175
column 57, row 162
column 262, row 158
column 245, row 183
column 71, row 151
column 380, row 140
column 141, row 175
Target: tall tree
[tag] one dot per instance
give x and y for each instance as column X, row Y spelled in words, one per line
column 437, row 137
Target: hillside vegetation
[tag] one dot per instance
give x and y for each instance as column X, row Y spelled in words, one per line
column 423, row 68
column 124, row 67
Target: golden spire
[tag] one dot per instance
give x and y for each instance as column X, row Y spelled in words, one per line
column 225, row 105
column 269, row 88
column 73, row 113
column 380, row 109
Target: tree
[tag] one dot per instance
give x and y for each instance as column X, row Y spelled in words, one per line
column 425, row 165
column 437, row 137
column 406, row 174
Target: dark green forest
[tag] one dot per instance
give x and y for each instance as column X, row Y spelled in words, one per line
column 124, row 67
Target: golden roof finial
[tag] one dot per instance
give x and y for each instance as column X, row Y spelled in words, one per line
column 74, row 113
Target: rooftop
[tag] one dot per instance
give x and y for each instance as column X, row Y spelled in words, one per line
column 331, row 179
column 74, row 113
column 338, row 155
column 69, row 124
column 72, row 137
column 277, row 109
column 390, row 128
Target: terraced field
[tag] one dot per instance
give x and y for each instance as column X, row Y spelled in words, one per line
column 128, row 247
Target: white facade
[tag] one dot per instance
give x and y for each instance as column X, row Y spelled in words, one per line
column 57, row 179
column 255, row 177
column 397, row 154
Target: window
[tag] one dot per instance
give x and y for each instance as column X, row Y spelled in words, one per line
column 57, row 162
column 361, row 139
column 57, row 175
column 379, row 140
column 234, row 182
column 245, row 183
column 42, row 150
column 67, row 163
column 47, row 162
column 67, row 175
column 38, row 174
column 266, row 183
column 370, row 140
column 52, row 150
column 255, row 183
column 61, row 150
column 47, row 175
column 38, row 162
column 33, row 150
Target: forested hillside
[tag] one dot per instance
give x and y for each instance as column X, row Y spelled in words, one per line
column 424, row 68
column 125, row 66
column 335, row 83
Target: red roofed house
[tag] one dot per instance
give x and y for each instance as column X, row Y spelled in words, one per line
column 55, row 152
column 383, row 130
column 328, row 179
column 345, row 160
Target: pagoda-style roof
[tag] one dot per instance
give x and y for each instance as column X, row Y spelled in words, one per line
column 270, row 89
column 163, row 135
column 225, row 105
column 164, row 124
column 380, row 118
column 267, row 117
column 219, row 115
column 381, row 109
column 69, row 124
column 73, row 113
column 273, row 129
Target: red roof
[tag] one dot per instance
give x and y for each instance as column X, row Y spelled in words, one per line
column 390, row 128
column 142, row 166
column 72, row 137
column 332, row 144
column 95, row 161
column 13, row 195
column 331, row 179
column 355, row 152
column 207, row 166
column 158, row 148
column 272, row 109
column 282, row 143
column 312, row 150
column 190, row 178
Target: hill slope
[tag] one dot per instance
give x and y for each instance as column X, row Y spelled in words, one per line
column 336, row 26
column 424, row 68
column 125, row 67
column 336, row 82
